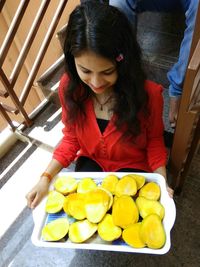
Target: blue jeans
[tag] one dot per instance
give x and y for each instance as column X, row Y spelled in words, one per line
column 176, row 74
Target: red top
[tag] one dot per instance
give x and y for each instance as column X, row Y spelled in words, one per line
column 109, row 149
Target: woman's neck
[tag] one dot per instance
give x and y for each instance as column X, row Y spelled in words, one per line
column 104, row 96
column 103, row 104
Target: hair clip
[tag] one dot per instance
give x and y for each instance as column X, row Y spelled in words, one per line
column 119, row 58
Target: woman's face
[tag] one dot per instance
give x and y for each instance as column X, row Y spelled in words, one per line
column 99, row 73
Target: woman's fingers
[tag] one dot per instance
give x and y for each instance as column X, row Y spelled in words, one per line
column 170, row 191
column 30, row 198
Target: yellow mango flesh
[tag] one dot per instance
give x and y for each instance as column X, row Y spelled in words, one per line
column 75, row 206
column 150, row 190
column 65, row 205
column 107, row 230
column 55, row 202
column 152, row 232
column 140, row 180
column 147, row 207
column 85, row 185
column 109, row 195
column 81, row 231
column 124, row 211
column 131, row 235
column 55, row 230
column 97, row 204
column 110, row 182
column 65, row 184
column 126, row 186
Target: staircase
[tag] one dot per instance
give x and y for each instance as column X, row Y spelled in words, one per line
column 160, row 44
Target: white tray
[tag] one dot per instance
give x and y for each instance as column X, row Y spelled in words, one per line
column 96, row 243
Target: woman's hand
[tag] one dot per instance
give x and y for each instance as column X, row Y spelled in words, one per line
column 174, row 104
column 162, row 171
column 37, row 192
column 170, row 191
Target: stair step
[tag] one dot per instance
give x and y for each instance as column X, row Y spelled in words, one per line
column 52, row 74
column 49, row 81
column 61, row 35
column 14, row 190
column 10, row 109
column 16, row 219
column 48, row 130
column 169, row 22
column 14, row 239
column 4, row 93
column 160, row 52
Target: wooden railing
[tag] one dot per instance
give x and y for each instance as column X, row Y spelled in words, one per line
column 9, row 82
column 187, row 133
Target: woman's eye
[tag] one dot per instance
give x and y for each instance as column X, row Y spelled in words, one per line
column 109, row 72
column 86, row 71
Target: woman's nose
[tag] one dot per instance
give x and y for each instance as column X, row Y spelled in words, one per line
column 96, row 81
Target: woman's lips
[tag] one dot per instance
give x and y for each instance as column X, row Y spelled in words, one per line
column 98, row 88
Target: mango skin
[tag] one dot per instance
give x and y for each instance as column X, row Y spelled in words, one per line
column 152, row 232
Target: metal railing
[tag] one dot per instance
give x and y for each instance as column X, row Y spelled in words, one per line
column 9, row 83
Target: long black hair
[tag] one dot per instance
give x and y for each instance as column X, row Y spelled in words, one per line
column 106, row 31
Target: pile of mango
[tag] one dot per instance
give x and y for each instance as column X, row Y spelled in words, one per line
column 126, row 207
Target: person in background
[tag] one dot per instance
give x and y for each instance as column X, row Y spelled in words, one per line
column 112, row 115
column 176, row 74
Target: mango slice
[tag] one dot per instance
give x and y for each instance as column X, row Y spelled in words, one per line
column 140, row 180
column 124, row 211
column 55, row 230
column 152, row 232
column 65, row 184
column 81, row 231
column 150, row 190
column 75, row 205
column 148, row 206
column 131, row 235
column 110, row 196
column 65, row 205
column 55, row 202
column 107, row 230
column 126, row 186
column 85, row 185
column 110, row 182
column 97, row 203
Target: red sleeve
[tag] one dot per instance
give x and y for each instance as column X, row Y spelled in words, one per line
column 156, row 150
column 67, row 149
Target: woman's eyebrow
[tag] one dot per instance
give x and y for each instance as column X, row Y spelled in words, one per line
column 111, row 68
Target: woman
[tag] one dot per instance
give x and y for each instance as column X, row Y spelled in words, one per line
column 112, row 115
